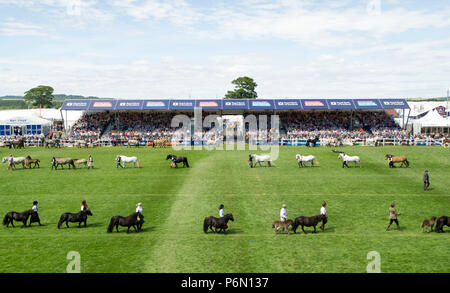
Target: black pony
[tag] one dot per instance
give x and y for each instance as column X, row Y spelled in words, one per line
column 129, row 221
column 312, row 142
column 78, row 217
column 308, row 222
column 441, row 222
column 217, row 223
column 22, row 217
column 176, row 160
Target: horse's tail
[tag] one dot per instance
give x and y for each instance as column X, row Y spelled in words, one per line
column 407, row 162
column 317, row 162
column 138, row 164
column 187, row 164
column 61, row 220
column 295, row 225
column 111, row 224
column 5, row 219
column 205, row 225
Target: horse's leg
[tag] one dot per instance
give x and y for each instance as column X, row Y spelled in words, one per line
column 303, row 229
column 314, row 229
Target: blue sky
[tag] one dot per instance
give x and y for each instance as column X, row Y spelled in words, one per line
column 182, row 49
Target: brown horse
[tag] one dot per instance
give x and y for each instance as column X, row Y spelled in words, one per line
column 428, row 224
column 160, row 142
column 64, row 161
column 276, row 225
column 397, row 159
column 80, row 161
column 30, row 161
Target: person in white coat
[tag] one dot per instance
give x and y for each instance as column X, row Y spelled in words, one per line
column 283, row 213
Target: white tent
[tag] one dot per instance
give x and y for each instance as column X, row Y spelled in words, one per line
column 431, row 122
column 23, row 121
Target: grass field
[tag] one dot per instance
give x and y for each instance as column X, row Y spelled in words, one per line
column 175, row 202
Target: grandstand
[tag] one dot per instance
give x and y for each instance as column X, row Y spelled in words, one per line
column 116, row 121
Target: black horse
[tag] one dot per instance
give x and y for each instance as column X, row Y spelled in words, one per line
column 217, row 223
column 20, row 217
column 441, row 222
column 176, row 160
column 312, row 142
column 78, row 217
column 308, row 222
column 19, row 144
column 129, row 221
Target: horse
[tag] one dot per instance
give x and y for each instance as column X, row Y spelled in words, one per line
column 260, row 158
column 22, row 217
column 176, row 160
column 134, row 142
column 446, row 143
column 281, row 224
column 312, row 141
column 428, row 224
column 397, row 159
column 63, row 161
column 217, row 223
column 125, row 160
column 308, row 222
column 80, row 161
column 129, row 221
column 30, row 161
column 78, row 217
column 160, row 142
column 302, row 159
column 51, row 143
column 16, row 161
column 441, row 221
column 346, row 158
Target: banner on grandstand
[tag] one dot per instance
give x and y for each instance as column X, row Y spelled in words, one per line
column 182, row 104
column 235, row 104
column 314, row 104
column 261, row 104
column 155, row 105
column 287, row 104
column 209, row 104
column 102, row 105
column 394, row 104
column 129, row 105
column 367, row 104
column 340, row 104
column 75, row 105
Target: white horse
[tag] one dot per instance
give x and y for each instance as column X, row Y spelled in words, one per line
column 260, row 158
column 303, row 159
column 346, row 158
column 125, row 160
column 16, row 160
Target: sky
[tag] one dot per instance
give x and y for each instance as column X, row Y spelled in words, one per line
column 194, row 49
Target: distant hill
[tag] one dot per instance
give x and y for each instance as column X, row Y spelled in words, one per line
column 427, row 99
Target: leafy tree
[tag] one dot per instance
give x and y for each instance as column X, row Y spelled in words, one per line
column 41, row 95
column 244, row 89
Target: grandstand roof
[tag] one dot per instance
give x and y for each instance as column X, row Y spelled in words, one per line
column 238, row 104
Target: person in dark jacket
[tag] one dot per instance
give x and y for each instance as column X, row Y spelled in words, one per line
column 426, row 180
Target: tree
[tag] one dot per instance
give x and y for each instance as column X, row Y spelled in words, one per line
column 41, row 95
column 244, row 89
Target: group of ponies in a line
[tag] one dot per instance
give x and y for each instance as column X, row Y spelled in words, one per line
column 302, row 221
column 132, row 220
column 302, row 160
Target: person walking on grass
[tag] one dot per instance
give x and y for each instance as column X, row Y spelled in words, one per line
column 91, row 162
column 393, row 216
column 83, row 205
column 283, row 213
column 426, row 180
column 118, row 162
column 139, row 211
column 323, row 212
column 11, row 163
column 221, row 212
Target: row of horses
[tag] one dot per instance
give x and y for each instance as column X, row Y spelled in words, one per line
column 300, row 221
column 302, row 160
column 80, row 218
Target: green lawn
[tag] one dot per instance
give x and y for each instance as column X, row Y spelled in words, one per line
column 176, row 201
